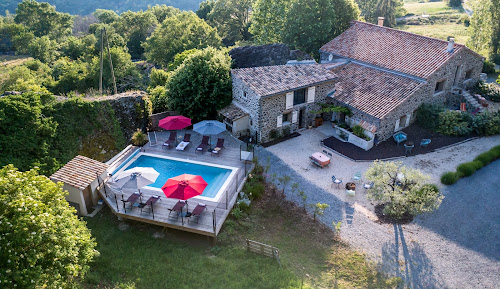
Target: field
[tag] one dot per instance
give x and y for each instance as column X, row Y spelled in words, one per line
column 135, row 255
column 440, row 31
column 430, row 8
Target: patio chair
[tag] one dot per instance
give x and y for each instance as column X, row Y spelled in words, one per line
column 177, row 209
column 220, row 145
column 203, row 145
column 196, row 213
column 150, row 202
column 336, row 181
column 132, row 199
column 400, row 137
column 425, row 142
column 409, row 147
column 184, row 143
column 356, row 177
column 171, row 140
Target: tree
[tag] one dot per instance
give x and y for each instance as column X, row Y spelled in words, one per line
column 180, row 57
column 485, row 28
column 162, row 12
column 106, row 16
column 205, row 8
column 43, row 19
column 312, row 23
column 368, row 10
column 44, row 244
column 389, row 9
column 318, row 209
column 232, row 19
column 454, row 3
column 178, row 33
column 43, row 49
column 403, row 190
column 201, row 85
column 268, row 20
column 135, row 27
column 75, row 48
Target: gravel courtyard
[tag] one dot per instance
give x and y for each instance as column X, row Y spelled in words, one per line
column 457, row 246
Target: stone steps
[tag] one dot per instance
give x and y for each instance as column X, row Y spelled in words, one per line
column 472, row 101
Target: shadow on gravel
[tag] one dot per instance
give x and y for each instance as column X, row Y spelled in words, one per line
column 314, row 193
column 408, row 262
column 469, row 214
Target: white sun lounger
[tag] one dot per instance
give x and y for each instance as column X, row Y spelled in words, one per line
column 182, row 145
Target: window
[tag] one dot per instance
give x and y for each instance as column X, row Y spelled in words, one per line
column 244, row 94
column 299, row 96
column 439, row 86
column 286, row 118
column 468, row 74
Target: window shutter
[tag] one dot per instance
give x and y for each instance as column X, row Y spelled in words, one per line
column 294, row 117
column 279, row 121
column 311, row 93
column 397, row 125
column 408, row 116
column 289, row 100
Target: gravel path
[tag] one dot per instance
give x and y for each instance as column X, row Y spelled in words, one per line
column 457, row 246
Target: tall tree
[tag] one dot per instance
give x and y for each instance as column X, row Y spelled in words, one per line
column 178, row 33
column 162, row 12
column 389, row 9
column 312, row 23
column 43, row 19
column 106, row 16
column 136, row 27
column 368, row 10
column 44, row 244
column 205, row 8
column 201, row 85
column 232, row 19
column 485, row 28
column 268, row 20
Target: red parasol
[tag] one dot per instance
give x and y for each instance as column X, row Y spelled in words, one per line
column 184, row 187
column 175, row 122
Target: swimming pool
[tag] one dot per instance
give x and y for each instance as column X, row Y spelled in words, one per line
column 217, row 177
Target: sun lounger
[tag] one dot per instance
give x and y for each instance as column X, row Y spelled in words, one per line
column 132, row 199
column 150, row 202
column 203, row 145
column 171, row 140
column 196, row 213
column 184, row 143
column 177, row 209
column 220, row 145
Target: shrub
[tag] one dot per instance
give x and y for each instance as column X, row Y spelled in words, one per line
column 428, row 115
column 254, row 189
column 488, row 67
column 449, row 178
column 274, row 134
column 489, row 91
column 465, row 19
column 139, row 138
column 486, row 157
column 454, row 123
column 358, row 131
column 286, row 131
column 496, row 151
column 486, row 123
column 468, row 169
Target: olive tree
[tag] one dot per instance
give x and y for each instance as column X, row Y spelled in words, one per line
column 403, row 190
column 43, row 244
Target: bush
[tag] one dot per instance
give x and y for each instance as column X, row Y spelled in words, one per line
column 486, row 123
column 254, row 189
column 274, row 134
column 488, row 67
column 454, row 123
column 286, row 131
column 489, row 91
column 465, row 19
column 139, row 138
column 468, row 169
column 496, row 151
column 449, row 178
column 486, row 157
column 428, row 115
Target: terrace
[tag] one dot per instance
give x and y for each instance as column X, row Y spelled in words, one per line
column 211, row 220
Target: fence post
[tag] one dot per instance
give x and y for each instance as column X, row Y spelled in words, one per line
column 226, row 199
column 214, row 221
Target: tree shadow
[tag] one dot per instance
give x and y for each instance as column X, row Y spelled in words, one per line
column 408, row 262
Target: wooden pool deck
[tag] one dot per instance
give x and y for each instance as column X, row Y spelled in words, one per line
column 211, row 220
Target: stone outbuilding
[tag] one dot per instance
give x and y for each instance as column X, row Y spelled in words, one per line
column 80, row 177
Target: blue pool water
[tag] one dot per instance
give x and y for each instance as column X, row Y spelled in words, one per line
column 214, row 176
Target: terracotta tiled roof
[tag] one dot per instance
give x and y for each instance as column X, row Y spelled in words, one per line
column 370, row 90
column 233, row 112
column 269, row 80
column 79, row 172
column 393, row 49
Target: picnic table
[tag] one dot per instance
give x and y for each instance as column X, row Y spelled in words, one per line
column 319, row 159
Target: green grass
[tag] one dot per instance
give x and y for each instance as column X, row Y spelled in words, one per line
column 440, row 31
column 133, row 258
column 430, row 8
column 7, row 62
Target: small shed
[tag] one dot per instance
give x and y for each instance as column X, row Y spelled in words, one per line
column 80, row 178
column 236, row 119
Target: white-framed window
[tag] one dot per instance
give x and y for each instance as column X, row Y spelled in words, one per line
column 299, row 96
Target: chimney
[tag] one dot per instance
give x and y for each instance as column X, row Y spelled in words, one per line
column 451, row 42
column 381, row 21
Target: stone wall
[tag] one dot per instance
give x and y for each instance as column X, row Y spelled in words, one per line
column 250, row 102
column 155, row 119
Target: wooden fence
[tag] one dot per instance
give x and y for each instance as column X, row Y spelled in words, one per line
column 263, row 249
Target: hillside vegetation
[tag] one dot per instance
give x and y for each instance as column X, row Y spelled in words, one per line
column 76, row 7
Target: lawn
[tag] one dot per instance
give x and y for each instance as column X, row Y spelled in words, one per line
column 439, row 30
column 135, row 255
column 430, row 8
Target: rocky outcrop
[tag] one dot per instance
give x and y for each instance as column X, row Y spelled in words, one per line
column 265, row 55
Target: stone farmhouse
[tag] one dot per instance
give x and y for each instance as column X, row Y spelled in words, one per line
column 381, row 74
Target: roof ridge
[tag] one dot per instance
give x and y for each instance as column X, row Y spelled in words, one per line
column 406, row 32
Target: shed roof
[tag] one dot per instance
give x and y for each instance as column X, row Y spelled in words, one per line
column 371, row 90
column 79, row 172
column 270, row 80
column 393, row 49
column 233, row 112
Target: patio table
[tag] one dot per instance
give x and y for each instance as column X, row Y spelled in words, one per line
column 320, row 159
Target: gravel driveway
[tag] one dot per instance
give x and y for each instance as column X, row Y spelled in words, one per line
column 457, row 246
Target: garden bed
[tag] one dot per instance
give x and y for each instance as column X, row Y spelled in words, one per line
column 277, row 141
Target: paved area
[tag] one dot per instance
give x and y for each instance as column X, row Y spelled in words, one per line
column 454, row 247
